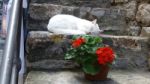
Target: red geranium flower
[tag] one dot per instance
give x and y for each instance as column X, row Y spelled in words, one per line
column 76, row 43
column 105, row 55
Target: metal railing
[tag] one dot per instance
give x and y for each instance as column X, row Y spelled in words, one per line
column 9, row 67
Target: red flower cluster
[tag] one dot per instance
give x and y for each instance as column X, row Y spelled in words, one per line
column 76, row 43
column 105, row 55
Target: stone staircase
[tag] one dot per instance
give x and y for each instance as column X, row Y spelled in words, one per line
column 129, row 36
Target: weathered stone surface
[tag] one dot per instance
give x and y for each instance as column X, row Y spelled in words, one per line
column 119, row 1
column 44, row 11
column 131, row 8
column 85, row 3
column 108, row 19
column 145, row 31
column 91, row 3
column 127, row 42
column 121, row 63
column 134, row 30
column 133, row 49
column 52, row 64
column 133, row 23
column 44, row 45
column 76, row 77
column 37, row 25
column 143, row 1
column 143, row 14
column 85, row 13
column 112, row 15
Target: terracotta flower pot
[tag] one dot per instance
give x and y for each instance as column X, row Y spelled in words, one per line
column 102, row 75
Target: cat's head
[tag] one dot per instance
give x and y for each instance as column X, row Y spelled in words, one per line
column 95, row 27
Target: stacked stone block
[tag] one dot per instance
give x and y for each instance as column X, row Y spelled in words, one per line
column 128, row 19
column 46, row 51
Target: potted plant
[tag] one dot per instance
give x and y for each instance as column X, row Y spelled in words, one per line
column 94, row 57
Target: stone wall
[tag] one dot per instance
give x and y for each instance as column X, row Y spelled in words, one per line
column 89, row 3
column 118, row 17
column 108, row 19
column 46, row 50
column 123, row 18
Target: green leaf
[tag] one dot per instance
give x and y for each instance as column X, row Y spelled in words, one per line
column 98, row 39
column 69, row 56
column 93, row 40
column 86, row 46
column 89, row 59
column 94, row 49
column 109, row 64
column 75, row 36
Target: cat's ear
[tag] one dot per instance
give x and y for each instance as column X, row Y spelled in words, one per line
column 94, row 21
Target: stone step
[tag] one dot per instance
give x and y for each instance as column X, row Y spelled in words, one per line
column 92, row 3
column 77, row 77
column 116, row 18
column 44, row 50
column 145, row 31
column 49, row 9
column 52, row 64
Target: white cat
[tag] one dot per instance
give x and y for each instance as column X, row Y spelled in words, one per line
column 68, row 24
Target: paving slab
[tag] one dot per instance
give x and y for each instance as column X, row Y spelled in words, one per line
column 77, row 77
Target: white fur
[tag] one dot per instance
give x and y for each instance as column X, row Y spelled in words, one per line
column 68, row 24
